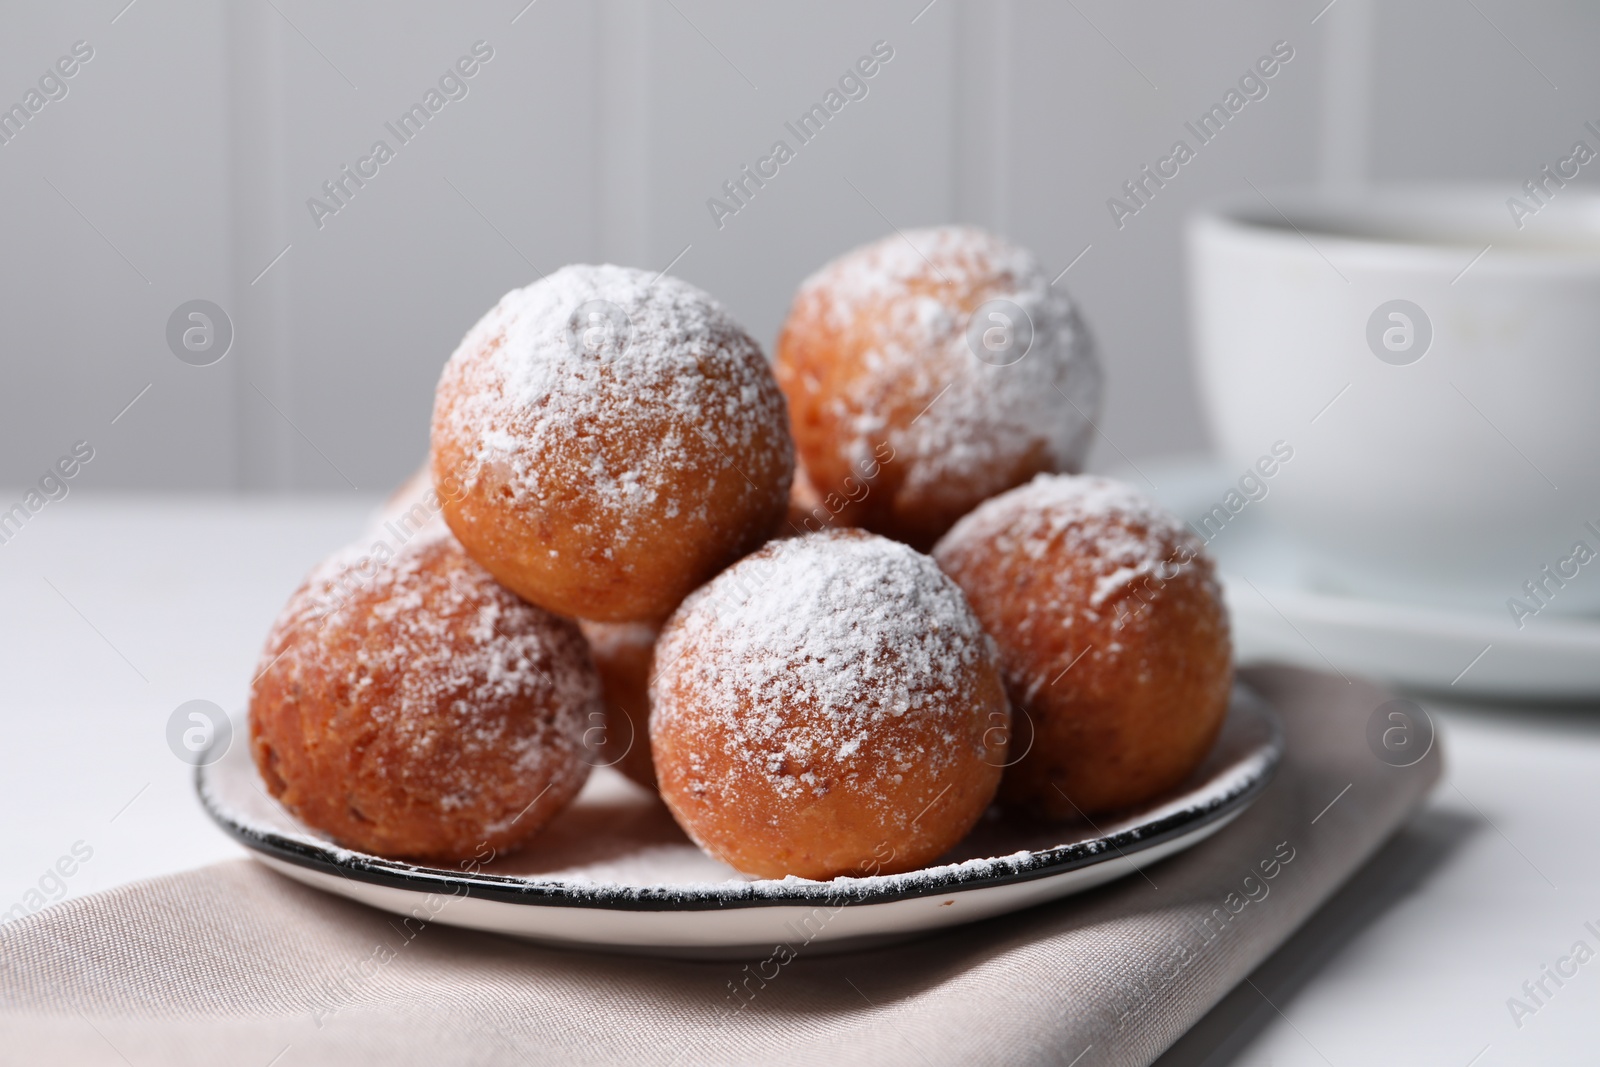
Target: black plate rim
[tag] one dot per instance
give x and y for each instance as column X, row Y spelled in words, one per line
column 512, row 889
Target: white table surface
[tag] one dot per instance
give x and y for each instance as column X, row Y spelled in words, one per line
column 115, row 610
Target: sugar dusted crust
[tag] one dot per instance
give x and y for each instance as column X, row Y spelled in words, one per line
column 408, row 705
column 828, row 705
column 606, row 483
column 1113, row 634
column 876, row 363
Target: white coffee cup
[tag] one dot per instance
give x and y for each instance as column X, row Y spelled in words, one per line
column 1442, row 401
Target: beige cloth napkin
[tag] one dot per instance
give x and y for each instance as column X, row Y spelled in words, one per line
column 234, row 964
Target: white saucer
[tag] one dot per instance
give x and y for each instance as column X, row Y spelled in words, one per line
column 614, row 872
column 1279, row 615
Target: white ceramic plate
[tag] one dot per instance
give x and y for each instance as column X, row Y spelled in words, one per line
column 614, row 871
column 1280, row 615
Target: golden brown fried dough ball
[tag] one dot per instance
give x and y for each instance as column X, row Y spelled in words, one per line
column 605, row 440
column 410, row 706
column 806, row 512
column 927, row 372
column 827, row 706
column 413, row 507
column 1113, row 634
column 621, row 653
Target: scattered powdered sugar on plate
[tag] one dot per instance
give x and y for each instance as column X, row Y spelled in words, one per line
column 614, row 377
column 803, row 653
column 916, row 293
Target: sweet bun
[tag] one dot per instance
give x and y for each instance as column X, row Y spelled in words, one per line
column 1113, row 634
column 806, row 513
column 911, row 403
column 409, row 706
column 412, row 508
column 604, row 441
column 621, row 653
column 827, row 706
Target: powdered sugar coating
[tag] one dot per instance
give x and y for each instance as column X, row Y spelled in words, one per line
column 455, row 694
column 914, row 294
column 611, row 423
column 835, row 662
column 1121, row 538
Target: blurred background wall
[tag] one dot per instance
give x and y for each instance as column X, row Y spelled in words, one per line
column 179, row 162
